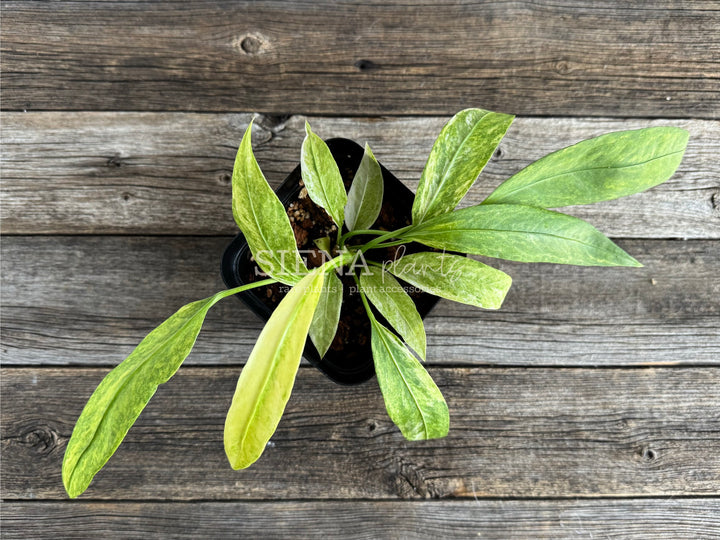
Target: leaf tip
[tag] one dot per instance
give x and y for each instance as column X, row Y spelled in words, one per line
column 625, row 259
column 238, row 456
column 237, row 465
column 71, row 487
column 248, row 131
column 628, row 261
column 505, row 285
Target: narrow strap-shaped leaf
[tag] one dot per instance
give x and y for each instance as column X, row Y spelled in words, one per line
column 391, row 300
column 262, row 218
column 366, row 194
column 453, row 277
column 459, row 154
column 125, row 391
column 267, row 379
column 412, row 399
column 322, row 176
column 327, row 313
column 599, row 169
column 520, row 233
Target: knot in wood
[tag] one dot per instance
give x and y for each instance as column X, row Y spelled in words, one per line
column 563, row 67
column 647, row 453
column 366, row 65
column 251, row 44
column 115, row 161
column 42, row 439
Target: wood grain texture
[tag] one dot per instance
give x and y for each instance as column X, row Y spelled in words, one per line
column 368, row 520
column 137, row 209
column 90, row 300
column 169, row 173
column 371, row 57
column 514, row 433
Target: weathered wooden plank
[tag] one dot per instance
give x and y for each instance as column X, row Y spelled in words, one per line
column 155, row 173
column 371, row 57
column 90, row 300
column 368, row 520
column 514, row 432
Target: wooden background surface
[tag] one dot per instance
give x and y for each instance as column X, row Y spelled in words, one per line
column 587, row 407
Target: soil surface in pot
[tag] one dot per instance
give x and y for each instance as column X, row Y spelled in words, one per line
column 309, row 222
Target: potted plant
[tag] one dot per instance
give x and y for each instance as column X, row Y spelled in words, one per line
column 348, row 360
column 357, row 253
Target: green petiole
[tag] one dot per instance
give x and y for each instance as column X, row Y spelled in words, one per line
column 364, row 298
column 345, row 237
column 380, row 239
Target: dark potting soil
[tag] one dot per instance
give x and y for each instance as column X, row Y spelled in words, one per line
column 309, row 222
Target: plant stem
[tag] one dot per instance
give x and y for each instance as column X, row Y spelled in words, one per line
column 389, row 244
column 380, row 239
column 249, row 286
column 364, row 300
column 330, row 265
column 338, row 261
column 347, row 235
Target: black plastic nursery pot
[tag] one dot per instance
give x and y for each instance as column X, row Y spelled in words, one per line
column 349, row 359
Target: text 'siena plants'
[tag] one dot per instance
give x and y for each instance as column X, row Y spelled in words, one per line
column 513, row 223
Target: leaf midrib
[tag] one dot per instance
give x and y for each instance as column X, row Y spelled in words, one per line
column 326, row 199
column 363, row 186
column 599, row 248
column 259, row 227
column 210, row 302
column 493, row 283
column 422, row 415
column 269, row 374
column 541, row 180
column 449, row 166
column 396, row 307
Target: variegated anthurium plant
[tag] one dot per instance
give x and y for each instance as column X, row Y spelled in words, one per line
column 514, row 223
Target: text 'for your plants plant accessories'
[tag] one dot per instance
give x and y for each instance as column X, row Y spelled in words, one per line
column 352, row 257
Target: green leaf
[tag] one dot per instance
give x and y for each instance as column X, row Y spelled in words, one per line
column 459, row 154
column 598, row 169
column 323, row 244
column 391, row 300
column 266, row 381
column 322, row 177
column 366, row 194
column 453, row 277
column 327, row 314
column 125, row 391
column 262, row 218
column 412, row 399
column 520, row 233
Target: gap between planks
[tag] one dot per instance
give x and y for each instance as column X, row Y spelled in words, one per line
column 514, row 432
column 367, row 520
